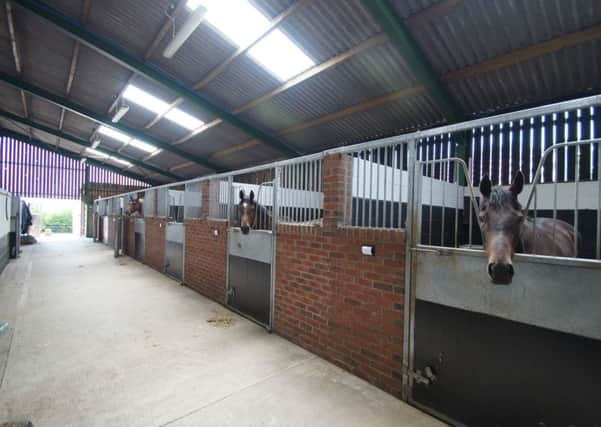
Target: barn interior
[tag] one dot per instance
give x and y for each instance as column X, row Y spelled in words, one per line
column 282, row 212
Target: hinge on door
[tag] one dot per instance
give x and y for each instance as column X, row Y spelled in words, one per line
column 426, row 377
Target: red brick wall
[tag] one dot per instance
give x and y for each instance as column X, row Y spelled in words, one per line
column 154, row 243
column 205, row 257
column 341, row 305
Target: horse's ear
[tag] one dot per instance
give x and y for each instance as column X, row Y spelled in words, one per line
column 485, row 186
column 518, row 183
column 241, row 194
column 252, row 195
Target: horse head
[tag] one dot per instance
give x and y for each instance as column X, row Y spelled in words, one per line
column 134, row 206
column 501, row 219
column 247, row 210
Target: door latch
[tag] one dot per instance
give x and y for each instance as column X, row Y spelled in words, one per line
column 426, row 378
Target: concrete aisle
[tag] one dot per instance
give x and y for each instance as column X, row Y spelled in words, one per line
column 96, row 340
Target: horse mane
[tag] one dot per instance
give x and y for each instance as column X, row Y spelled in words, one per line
column 500, row 198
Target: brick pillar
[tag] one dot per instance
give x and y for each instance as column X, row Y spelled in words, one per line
column 337, row 171
column 205, row 189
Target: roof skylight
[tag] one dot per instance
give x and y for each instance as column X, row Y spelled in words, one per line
column 126, row 139
column 96, row 153
column 114, row 134
column 144, row 99
column 242, row 23
column 183, row 119
column 142, row 145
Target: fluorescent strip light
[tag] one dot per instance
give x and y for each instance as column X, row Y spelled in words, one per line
column 142, row 145
column 97, row 153
column 184, row 33
column 123, row 162
column 96, row 143
column 120, row 113
column 183, row 119
column 114, row 134
column 144, row 99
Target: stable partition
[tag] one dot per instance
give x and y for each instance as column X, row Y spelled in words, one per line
column 370, row 256
column 5, row 208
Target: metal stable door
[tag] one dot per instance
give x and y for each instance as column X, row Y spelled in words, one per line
column 251, row 267
column 489, row 355
column 174, row 250
column 139, row 238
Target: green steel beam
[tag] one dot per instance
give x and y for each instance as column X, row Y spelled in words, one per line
column 116, row 53
column 386, row 17
column 60, row 134
column 32, row 141
column 102, row 119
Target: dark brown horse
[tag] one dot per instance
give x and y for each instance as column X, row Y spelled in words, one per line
column 506, row 230
column 251, row 214
column 134, row 206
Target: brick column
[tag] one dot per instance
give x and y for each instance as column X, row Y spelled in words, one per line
column 337, row 171
column 205, row 188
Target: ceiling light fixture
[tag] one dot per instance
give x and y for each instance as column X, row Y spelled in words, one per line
column 193, row 21
column 122, row 111
column 96, row 142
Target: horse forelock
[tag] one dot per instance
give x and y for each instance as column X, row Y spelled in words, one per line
column 500, row 198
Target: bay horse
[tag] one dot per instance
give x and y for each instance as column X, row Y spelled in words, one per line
column 251, row 215
column 134, row 206
column 506, row 230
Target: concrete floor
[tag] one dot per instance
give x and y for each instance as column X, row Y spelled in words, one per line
column 95, row 340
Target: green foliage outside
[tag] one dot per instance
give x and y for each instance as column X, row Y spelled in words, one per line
column 58, row 222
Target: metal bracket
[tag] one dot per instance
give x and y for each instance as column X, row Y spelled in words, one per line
column 427, row 377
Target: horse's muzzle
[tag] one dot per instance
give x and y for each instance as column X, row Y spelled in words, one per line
column 501, row 274
column 245, row 229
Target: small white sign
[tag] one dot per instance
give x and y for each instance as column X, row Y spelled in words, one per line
column 368, row 250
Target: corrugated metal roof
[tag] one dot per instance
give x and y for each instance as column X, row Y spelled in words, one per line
column 574, row 70
column 40, row 43
column 241, row 82
column 214, row 139
column 476, row 30
column 457, row 35
column 371, row 74
column 417, row 111
column 197, row 57
column 133, row 22
column 97, row 80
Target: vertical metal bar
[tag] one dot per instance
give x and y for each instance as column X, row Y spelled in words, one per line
column 371, row 186
column 388, row 153
column 230, row 196
column 394, row 160
column 457, row 201
column 577, row 180
column 598, row 200
column 364, row 189
column 378, row 186
column 312, row 190
column 401, row 162
column 444, row 203
column 431, row 177
column 534, row 218
column 412, row 237
column 356, row 172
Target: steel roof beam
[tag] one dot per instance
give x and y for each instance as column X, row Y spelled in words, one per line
column 67, row 137
column 132, row 62
column 99, row 118
column 384, row 14
column 50, row 147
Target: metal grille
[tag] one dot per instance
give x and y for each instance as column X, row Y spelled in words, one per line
column 219, row 198
column 375, row 187
column 300, row 197
column 192, row 200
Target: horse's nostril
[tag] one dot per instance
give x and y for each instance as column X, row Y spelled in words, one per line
column 490, row 269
